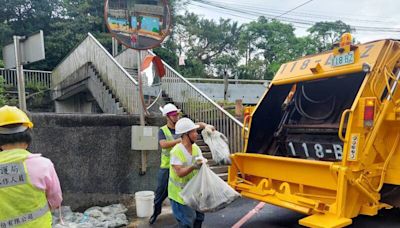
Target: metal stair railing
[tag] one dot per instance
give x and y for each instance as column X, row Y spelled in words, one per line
column 32, row 77
column 199, row 107
column 124, row 86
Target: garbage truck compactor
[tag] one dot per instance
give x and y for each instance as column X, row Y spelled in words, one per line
column 324, row 140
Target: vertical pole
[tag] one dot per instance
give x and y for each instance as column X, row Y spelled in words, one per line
column 143, row 167
column 20, row 74
column 225, row 86
column 114, row 46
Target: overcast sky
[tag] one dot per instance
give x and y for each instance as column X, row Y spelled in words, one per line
column 367, row 15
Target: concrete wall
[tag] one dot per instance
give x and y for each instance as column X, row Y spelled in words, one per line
column 92, row 156
column 75, row 104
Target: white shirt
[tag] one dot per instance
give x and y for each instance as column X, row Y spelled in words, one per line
column 189, row 158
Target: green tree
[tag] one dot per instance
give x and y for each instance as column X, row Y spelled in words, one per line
column 23, row 17
column 267, row 41
column 325, row 34
column 2, row 90
column 226, row 63
column 254, row 69
column 77, row 18
column 204, row 41
column 64, row 23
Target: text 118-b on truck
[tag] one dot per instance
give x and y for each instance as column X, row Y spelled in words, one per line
column 324, row 139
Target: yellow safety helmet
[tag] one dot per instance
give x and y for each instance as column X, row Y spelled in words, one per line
column 13, row 115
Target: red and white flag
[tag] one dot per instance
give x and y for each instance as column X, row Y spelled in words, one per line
column 151, row 67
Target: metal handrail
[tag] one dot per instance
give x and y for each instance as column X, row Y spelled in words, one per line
column 219, row 80
column 32, row 77
column 110, row 71
column 199, row 107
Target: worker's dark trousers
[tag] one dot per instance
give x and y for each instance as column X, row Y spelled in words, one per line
column 162, row 190
column 187, row 217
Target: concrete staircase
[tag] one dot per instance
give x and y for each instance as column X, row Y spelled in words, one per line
column 220, row 170
column 105, row 97
column 87, row 78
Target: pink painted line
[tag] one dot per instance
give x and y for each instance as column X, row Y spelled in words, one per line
column 249, row 215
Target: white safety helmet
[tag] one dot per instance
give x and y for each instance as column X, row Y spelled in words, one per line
column 169, row 108
column 184, row 125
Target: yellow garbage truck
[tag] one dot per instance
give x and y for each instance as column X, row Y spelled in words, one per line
column 324, row 138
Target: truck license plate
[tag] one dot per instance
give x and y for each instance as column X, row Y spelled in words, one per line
column 317, row 151
column 343, row 59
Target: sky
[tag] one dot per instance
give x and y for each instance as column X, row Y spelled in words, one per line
column 373, row 19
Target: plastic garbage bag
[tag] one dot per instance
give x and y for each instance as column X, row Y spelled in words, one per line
column 207, row 192
column 218, row 144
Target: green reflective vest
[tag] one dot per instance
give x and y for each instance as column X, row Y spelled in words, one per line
column 176, row 183
column 22, row 204
column 165, row 153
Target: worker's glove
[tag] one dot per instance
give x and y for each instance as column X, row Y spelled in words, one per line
column 197, row 165
column 199, row 162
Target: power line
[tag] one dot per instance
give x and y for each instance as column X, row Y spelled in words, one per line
column 293, row 9
column 295, row 21
column 308, row 12
column 310, row 15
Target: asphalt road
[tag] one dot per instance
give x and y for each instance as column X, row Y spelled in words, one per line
column 269, row 217
column 272, row 216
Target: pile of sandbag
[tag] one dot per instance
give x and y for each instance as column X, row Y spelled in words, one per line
column 109, row 216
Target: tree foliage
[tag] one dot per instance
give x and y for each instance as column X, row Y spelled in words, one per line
column 2, row 90
column 212, row 47
column 325, row 34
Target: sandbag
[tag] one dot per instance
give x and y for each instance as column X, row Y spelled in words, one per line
column 218, row 144
column 207, row 192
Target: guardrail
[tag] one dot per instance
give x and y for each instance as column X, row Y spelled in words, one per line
column 32, row 77
column 230, row 81
column 111, row 72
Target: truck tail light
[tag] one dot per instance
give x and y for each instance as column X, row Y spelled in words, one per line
column 369, row 112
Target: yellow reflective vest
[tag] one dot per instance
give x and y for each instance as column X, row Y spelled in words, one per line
column 176, row 183
column 21, row 203
column 165, row 153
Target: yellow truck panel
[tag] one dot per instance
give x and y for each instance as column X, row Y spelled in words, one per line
column 300, row 70
column 325, row 138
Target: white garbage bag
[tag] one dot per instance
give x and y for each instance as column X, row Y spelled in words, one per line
column 207, row 192
column 218, row 144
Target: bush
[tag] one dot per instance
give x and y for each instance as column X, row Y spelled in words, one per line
column 2, row 91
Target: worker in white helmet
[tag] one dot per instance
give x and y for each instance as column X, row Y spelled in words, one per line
column 167, row 140
column 186, row 159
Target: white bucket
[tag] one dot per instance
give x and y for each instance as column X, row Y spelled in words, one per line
column 144, row 203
